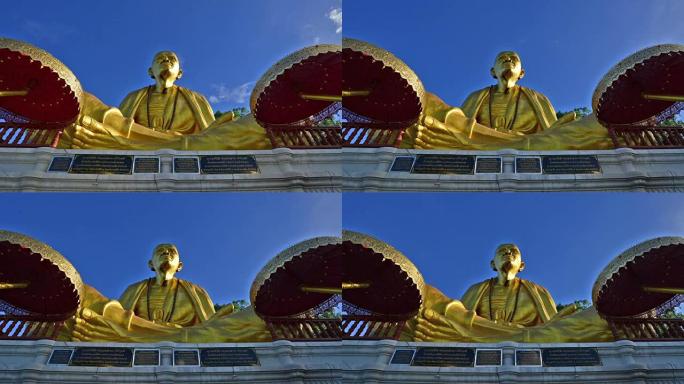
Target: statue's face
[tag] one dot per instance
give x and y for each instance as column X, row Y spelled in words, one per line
column 507, row 65
column 165, row 258
column 508, row 258
column 165, row 65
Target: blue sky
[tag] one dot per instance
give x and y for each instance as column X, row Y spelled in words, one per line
column 224, row 46
column 223, row 239
column 566, row 46
column 566, row 238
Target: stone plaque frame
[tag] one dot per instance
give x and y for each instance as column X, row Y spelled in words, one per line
column 145, row 158
column 197, row 163
column 550, row 360
column 61, row 352
column 228, row 165
column 444, row 164
column 539, row 161
column 53, row 165
column 584, row 165
column 400, row 164
column 399, row 356
column 93, row 357
column 487, row 158
column 441, row 360
column 196, row 351
column 135, row 354
column 91, row 164
column 499, row 350
column 537, row 350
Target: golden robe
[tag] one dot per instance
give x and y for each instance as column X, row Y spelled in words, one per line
column 193, row 113
column 200, row 310
column 477, row 105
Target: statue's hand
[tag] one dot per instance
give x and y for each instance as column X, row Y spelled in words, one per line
column 90, row 326
column 433, row 134
column 433, row 326
column 94, row 137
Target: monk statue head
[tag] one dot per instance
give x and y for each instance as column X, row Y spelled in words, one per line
column 165, row 69
column 507, row 69
column 507, row 262
column 165, row 262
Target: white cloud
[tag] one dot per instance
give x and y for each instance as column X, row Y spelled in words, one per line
column 225, row 94
column 335, row 15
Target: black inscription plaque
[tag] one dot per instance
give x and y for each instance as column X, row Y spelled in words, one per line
column 228, row 164
column 570, row 357
column 445, row 164
column 488, row 357
column 402, row 356
column 488, row 165
column 102, row 357
column 570, row 164
column 146, row 357
column 402, row 164
column 528, row 357
column 185, row 165
column 60, row 356
column 146, row 165
column 102, row 164
column 444, row 357
column 60, row 164
column 228, row 357
column 527, row 165
column 185, row 357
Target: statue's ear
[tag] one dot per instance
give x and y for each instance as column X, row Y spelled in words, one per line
column 491, row 71
column 180, row 74
column 149, row 264
column 522, row 74
column 180, row 266
column 149, row 72
column 491, row 263
column 522, row 266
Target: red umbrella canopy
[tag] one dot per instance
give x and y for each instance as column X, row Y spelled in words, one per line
column 620, row 96
column 277, row 289
column 388, row 283
column 638, row 281
column 47, row 283
column 279, row 97
column 53, row 94
column 389, row 90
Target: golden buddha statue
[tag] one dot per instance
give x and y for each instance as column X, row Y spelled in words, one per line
column 163, row 308
column 504, row 308
column 505, row 115
column 166, row 299
column 165, row 106
column 506, row 106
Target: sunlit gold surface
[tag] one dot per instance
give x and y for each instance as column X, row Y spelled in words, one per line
column 671, row 290
column 13, row 93
column 321, row 97
column 626, row 257
column 503, row 308
column 19, row 285
column 625, row 65
column 165, row 106
column 181, row 312
column 447, row 127
column 673, row 98
column 334, row 290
